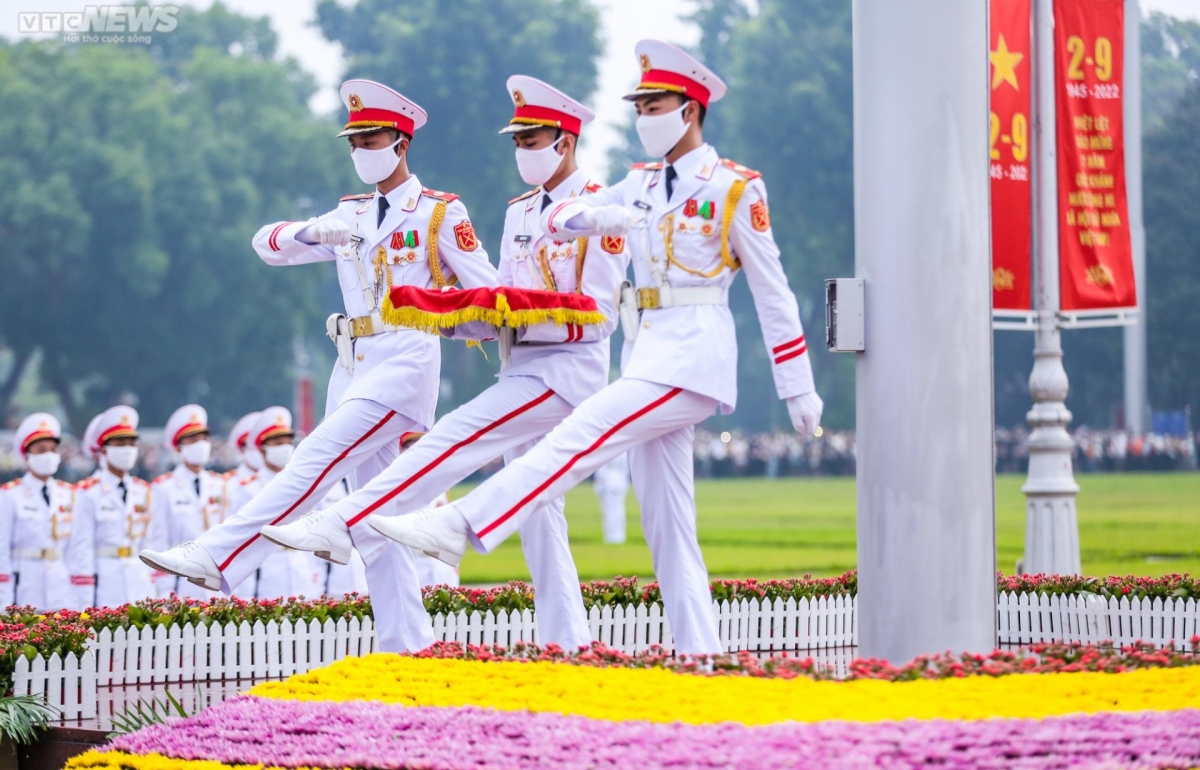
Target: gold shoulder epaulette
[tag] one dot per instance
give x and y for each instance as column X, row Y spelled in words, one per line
column 657, row 165
column 592, row 187
column 523, row 196
column 738, row 168
column 439, row 195
column 359, row 197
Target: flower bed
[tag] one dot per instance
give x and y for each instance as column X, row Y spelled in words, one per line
column 489, row 708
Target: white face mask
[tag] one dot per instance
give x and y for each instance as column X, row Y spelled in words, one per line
column 277, row 456
column 253, row 457
column 660, row 133
column 44, row 464
column 537, row 166
column 196, row 453
column 121, row 458
column 374, row 166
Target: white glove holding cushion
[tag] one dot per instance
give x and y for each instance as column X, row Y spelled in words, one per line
column 327, row 232
column 805, row 412
column 607, row 220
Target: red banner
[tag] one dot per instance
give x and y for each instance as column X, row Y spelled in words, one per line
column 1011, row 142
column 1095, row 255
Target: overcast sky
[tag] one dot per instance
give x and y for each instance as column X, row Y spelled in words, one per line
column 625, row 22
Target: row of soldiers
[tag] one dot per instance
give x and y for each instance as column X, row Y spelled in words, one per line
column 687, row 224
column 74, row 545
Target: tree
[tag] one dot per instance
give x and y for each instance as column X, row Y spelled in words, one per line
column 453, row 59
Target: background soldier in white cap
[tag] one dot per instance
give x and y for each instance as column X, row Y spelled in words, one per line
column 386, row 380
column 112, row 515
column 697, row 221
column 550, row 370
column 611, row 485
column 189, row 499
column 35, row 519
column 249, row 460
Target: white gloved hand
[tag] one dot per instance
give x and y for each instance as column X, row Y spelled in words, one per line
column 608, row 220
column 327, row 232
column 805, row 412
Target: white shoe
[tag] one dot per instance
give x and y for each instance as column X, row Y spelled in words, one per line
column 322, row 532
column 438, row 532
column 189, row 561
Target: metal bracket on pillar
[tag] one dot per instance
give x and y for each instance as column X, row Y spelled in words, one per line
column 845, row 330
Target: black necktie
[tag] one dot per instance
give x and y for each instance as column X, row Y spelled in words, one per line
column 383, row 207
column 196, row 485
column 46, row 493
column 545, row 201
column 671, row 175
column 121, row 486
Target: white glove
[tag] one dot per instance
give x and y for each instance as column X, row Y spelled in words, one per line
column 328, row 232
column 805, row 412
column 608, row 220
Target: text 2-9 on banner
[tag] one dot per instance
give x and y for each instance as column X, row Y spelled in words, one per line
column 1095, row 255
column 1012, row 198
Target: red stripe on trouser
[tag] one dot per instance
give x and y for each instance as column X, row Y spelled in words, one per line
column 786, row 345
column 571, row 463
column 442, row 457
column 345, row 453
column 794, row 354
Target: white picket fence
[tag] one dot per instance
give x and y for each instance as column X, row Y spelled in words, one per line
column 182, row 654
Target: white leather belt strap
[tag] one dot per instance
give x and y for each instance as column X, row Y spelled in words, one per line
column 41, row 554
column 124, row 552
column 672, row 296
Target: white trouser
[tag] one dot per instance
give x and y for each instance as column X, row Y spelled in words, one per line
column 358, row 438
column 657, row 423
column 612, row 514
column 121, row 581
column 511, row 414
column 288, row 573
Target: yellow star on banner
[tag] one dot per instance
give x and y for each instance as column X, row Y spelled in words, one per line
column 1004, row 63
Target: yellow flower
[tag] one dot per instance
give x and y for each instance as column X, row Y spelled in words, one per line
column 84, row 616
column 662, row 696
column 119, row 760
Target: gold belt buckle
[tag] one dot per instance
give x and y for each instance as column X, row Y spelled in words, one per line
column 49, row 554
column 124, row 552
column 361, row 326
column 647, row 298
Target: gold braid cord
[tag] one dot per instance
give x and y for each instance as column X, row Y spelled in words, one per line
column 388, row 312
column 727, row 258
column 580, row 258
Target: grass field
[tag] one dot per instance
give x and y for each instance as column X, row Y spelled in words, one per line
column 1144, row 524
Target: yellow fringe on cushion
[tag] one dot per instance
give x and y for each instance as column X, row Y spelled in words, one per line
column 561, row 316
column 502, row 315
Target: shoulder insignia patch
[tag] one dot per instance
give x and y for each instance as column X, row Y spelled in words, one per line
column 439, row 195
column 464, row 235
column 523, row 196
column 592, row 187
column 10, row 484
column 87, row 483
column 760, row 216
column 657, row 165
column 359, row 197
column 738, row 168
column 612, row 244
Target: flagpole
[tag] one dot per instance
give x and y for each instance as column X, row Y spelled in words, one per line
column 1137, row 403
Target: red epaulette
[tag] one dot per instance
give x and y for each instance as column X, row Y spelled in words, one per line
column 10, row 484
column 592, row 187
column 523, row 196
column 163, row 477
column 439, row 195
column 359, row 197
column 656, row 166
column 87, row 483
column 738, row 168
column 250, row 478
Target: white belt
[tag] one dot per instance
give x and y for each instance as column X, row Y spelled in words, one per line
column 41, row 554
column 675, row 296
column 124, row 552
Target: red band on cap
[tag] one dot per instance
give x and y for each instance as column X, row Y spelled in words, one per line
column 540, row 115
column 242, row 439
column 191, row 427
column 272, row 432
column 373, row 115
column 37, row 435
column 673, row 81
column 116, row 431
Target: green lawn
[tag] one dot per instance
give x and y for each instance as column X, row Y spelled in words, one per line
column 1143, row 524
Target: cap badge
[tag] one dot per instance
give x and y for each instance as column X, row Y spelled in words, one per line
column 518, row 98
column 124, row 420
column 356, row 103
column 645, row 60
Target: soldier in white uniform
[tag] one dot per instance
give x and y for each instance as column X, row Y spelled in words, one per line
column 189, row 499
column 549, row 370
column 694, row 222
column 112, row 515
column 249, row 460
column 386, row 380
column 611, row 485
column 35, row 520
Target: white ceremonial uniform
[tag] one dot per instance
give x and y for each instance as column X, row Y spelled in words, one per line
column 393, row 388
column 106, row 535
column 285, row 572
column 552, row 369
column 33, row 534
column 184, row 505
column 342, row 579
column 239, row 474
column 680, row 368
column 611, row 485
